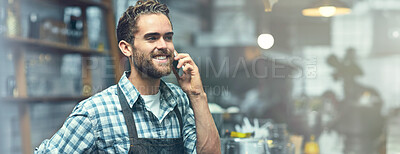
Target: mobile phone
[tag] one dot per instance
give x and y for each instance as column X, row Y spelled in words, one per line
column 175, row 65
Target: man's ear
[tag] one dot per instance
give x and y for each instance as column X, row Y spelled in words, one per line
column 125, row 48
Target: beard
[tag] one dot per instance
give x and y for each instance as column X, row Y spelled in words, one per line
column 144, row 63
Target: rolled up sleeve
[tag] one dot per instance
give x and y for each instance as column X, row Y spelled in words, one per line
column 75, row 136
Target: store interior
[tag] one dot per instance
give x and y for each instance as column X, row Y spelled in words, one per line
column 300, row 80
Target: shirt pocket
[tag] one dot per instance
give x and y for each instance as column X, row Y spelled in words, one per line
column 119, row 148
column 117, row 145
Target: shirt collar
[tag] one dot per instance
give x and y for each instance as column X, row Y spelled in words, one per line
column 132, row 94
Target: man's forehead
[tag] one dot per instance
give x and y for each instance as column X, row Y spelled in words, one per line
column 154, row 23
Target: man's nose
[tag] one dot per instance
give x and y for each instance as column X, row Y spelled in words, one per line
column 161, row 44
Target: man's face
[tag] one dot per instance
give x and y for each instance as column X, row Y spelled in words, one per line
column 153, row 47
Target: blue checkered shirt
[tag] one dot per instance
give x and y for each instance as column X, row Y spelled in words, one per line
column 97, row 125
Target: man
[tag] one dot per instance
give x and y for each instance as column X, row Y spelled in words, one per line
column 143, row 114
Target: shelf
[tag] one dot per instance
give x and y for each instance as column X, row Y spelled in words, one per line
column 43, row 99
column 47, row 46
column 22, row 46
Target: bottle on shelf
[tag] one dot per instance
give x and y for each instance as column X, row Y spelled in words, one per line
column 33, row 26
column 12, row 19
column 75, row 27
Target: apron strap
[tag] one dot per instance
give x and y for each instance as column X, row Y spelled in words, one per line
column 128, row 115
column 178, row 114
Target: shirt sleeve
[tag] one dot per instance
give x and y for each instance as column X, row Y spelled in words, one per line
column 75, row 136
column 189, row 129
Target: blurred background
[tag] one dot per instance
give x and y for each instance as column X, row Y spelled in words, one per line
column 324, row 71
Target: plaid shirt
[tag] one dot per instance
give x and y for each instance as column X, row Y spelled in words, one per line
column 98, row 125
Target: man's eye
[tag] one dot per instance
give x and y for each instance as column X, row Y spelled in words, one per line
column 151, row 38
column 168, row 38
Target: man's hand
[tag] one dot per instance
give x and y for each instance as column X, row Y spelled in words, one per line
column 190, row 80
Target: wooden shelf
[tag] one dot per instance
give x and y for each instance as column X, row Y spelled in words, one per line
column 43, row 99
column 22, row 46
column 47, row 46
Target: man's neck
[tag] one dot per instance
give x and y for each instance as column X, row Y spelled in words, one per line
column 143, row 83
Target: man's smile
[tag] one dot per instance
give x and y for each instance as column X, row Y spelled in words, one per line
column 161, row 58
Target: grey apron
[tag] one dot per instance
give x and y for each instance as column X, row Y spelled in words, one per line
column 148, row 145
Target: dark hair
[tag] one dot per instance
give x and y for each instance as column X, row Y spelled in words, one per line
column 127, row 24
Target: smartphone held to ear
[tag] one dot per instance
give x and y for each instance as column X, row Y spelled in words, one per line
column 175, row 65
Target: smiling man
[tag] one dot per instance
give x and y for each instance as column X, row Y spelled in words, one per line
column 142, row 113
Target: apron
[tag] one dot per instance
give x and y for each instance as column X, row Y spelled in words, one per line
column 149, row 145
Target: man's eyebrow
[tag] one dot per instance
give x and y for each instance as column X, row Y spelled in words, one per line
column 151, row 34
column 169, row 33
column 157, row 34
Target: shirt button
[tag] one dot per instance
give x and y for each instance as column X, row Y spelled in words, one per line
column 162, row 133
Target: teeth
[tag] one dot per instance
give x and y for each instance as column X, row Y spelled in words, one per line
column 161, row 57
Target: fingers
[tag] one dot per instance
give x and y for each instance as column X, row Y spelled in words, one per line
column 188, row 69
column 179, row 56
column 187, row 64
column 184, row 59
